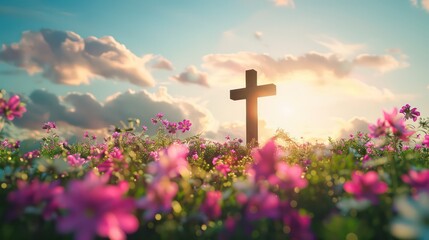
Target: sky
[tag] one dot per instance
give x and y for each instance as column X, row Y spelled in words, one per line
column 337, row 65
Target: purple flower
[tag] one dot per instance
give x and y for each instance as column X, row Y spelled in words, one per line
column 35, row 194
column 171, row 127
column 211, row 206
column 95, row 208
column 409, row 112
column 417, row 180
column 13, row 108
column 48, row 126
column 365, row 186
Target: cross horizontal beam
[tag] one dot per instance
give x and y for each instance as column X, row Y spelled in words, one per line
column 259, row 91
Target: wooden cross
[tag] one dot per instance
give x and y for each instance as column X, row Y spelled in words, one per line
column 251, row 93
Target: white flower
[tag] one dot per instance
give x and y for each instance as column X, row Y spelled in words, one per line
column 413, row 219
column 347, row 204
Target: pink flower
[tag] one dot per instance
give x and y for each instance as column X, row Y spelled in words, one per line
column 184, row 125
column 263, row 204
column 426, row 141
column 223, row 168
column 35, row 194
column 288, row 177
column 211, row 206
column 378, row 129
column 298, row 224
column 75, row 160
column 397, row 125
column 13, row 108
column 417, row 180
column 172, row 162
column 115, row 161
column 159, row 196
column 31, row 155
column 159, row 115
column 265, row 160
column 365, row 186
column 95, row 208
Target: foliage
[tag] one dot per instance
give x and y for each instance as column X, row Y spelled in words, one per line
column 163, row 187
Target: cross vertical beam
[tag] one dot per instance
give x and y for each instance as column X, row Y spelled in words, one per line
column 251, row 93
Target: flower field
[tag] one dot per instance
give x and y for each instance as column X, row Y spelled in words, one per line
column 130, row 185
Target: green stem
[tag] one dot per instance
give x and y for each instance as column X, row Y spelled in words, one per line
column 394, row 166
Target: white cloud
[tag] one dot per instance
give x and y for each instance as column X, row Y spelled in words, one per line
column 64, row 57
column 340, row 48
column 84, row 111
column 160, row 62
column 352, row 126
column 424, row 4
column 192, row 76
column 382, row 63
column 322, row 67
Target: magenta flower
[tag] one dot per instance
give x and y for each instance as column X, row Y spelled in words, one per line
column 223, row 168
column 75, row 160
column 48, row 126
column 263, row 204
column 298, row 224
column 159, row 196
column 171, row 127
column 417, row 180
column 365, row 186
column 288, row 177
column 95, row 208
column 211, row 206
column 13, row 108
column 115, row 161
column 409, row 112
column 184, row 125
column 378, row 130
column 171, row 162
column 36, row 194
column 397, row 125
column 31, row 155
column 426, row 141
column 265, row 160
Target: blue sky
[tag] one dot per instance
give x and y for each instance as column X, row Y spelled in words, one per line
column 337, row 64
